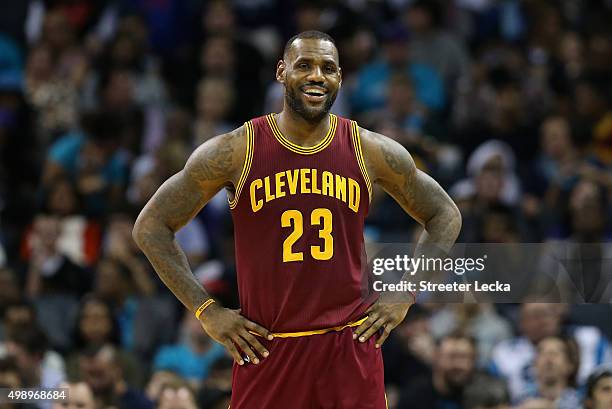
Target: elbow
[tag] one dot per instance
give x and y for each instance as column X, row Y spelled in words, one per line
column 456, row 219
column 147, row 227
column 138, row 232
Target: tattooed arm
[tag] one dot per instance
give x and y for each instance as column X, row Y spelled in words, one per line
column 214, row 165
column 391, row 166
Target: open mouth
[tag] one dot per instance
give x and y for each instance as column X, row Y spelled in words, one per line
column 314, row 93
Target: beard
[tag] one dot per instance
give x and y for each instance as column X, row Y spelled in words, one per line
column 312, row 115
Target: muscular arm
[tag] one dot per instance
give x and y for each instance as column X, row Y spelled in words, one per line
column 391, row 166
column 215, row 164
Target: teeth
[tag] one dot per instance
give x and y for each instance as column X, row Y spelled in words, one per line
column 314, row 92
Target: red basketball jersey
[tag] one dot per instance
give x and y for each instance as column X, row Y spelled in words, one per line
column 298, row 221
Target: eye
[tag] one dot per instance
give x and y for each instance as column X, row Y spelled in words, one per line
column 303, row 65
column 330, row 69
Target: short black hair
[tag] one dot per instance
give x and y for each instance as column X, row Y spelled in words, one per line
column 310, row 35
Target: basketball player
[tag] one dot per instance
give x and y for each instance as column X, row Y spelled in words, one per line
column 299, row 186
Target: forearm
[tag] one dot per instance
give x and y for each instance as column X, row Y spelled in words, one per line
column 441, row 231
column 158, row 243
column 436, row 241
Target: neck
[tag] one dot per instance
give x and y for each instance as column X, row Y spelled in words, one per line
column 552, row 388
column 299, row 130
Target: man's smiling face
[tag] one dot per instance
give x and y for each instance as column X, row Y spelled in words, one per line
column 311, row 75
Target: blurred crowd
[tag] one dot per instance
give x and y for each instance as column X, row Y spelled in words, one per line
column 507, row 103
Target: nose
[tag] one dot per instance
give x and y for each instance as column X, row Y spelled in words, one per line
column 316, row 74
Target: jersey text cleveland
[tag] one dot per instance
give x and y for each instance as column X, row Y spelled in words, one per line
column 304, row 181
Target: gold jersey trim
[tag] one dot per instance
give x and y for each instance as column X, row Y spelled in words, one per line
column 303, row 150
column 359, row 154
column 314, row 332
column 246, row 167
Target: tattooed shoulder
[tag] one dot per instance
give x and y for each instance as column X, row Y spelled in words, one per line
column 385, row 157
column 219, row 158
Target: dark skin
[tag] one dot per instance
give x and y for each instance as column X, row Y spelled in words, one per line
column 309, row 65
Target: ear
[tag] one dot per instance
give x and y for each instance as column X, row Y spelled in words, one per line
column 280, row 71
column 340, row 74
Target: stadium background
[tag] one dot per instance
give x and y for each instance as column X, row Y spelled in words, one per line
column 506, row 103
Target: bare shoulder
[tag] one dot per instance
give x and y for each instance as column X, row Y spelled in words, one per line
column 385, row 158
column 218, row 160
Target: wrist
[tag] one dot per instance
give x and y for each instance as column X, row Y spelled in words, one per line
column 207, row 304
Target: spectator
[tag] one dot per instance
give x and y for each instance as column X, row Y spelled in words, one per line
column 513, row 359
column 152, row 168
column 54, row 75
column 486, row 393
column 17, row 314
column 216, row 390
column 504, row 117
column 599, row 389
column 214, row 101
column 101, row 370
column 432, row 46
column 78, row 396
column 587, row 276
column 176, row 396
column 410, row 350
column 145, row 322
column 556, row 365
column 157, row 381
column 53, row 280
column 491, row 182
column 453, row 367
column 193, row 356
column 560, row 159
column 491, row 168
column 95, row 327
column 51, row 271
column 219, row 21
column 480, row 321
column 92, row 161
column 121, row 248
column 9, row 373
column 79, row 237
column 28, row 345
column 10, row 379
column 118, row 97
column 403, row 116
column 372, row 79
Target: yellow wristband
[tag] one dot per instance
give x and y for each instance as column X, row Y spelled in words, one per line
column 202, row 307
